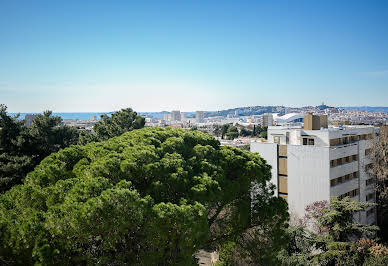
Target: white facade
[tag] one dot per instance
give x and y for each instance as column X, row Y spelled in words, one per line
column 200, row 116
column 175, row 116
column 314, row 165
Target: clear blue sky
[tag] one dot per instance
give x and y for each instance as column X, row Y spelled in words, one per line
column 100, row 55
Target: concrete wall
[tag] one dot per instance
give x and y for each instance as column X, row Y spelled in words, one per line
column 269, row 152
column 308, row 176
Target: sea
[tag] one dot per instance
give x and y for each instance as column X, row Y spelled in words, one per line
column 74, row 116
column 88, row 115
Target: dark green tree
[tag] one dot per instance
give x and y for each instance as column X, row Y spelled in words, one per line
column 152, row 196
column 217, row 130
column 22, row 148
column 329, row 235
column 47, row 135
column 224, row 130
column 14, row 163
column 232, row 133
column 245, row 132
column 379, row 172
column 118, row 123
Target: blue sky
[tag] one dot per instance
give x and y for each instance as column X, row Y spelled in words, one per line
column 70, row 56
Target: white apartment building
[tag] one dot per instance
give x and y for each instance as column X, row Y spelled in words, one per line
column 28, row 119
column 200, row 116
column 316, row 162
column 175, row 116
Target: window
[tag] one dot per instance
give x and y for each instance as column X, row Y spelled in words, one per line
column 347, row 159
column 332, row 163
column 370, row 212
column 354, row 157
column 351, row 194
column 368, row 167
column 369, row 181
column 370, row 196
column 367, row 151
column 355, row 175
column 308, row 141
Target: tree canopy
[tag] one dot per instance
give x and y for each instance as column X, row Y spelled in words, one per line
column 114, row 125
column 330, row 235
column 152, row 196
column 22, row 148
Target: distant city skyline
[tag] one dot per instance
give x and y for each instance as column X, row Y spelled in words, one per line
column 89, row 56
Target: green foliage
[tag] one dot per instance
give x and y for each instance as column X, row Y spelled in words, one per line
column 339, row 219
column 22, row 148
column 329, row 235
column 217, row 130
column 379, row 171
column 46, row 135
column 259, row 131
column 232, row 132
column 152, row 196
column 299, row 247
column 245, row 132
column 224, row 130
column 115, row 125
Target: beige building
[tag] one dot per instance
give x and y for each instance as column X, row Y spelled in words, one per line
column 267, row 120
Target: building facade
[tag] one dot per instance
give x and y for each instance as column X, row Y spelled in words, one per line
column 200, row 116
column 267, row 120
column 316, row 162
column 175, row 116
column 28, row 119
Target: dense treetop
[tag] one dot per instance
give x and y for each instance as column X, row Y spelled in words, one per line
column 114, row 125
column 22, row 148
column 151, row 196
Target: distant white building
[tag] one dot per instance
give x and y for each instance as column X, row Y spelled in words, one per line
column 28, row 119
column 167, row 117
column 200, row 116
column 183, row 117
column 175, row 116
column 288, row 118
column 314, row 162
